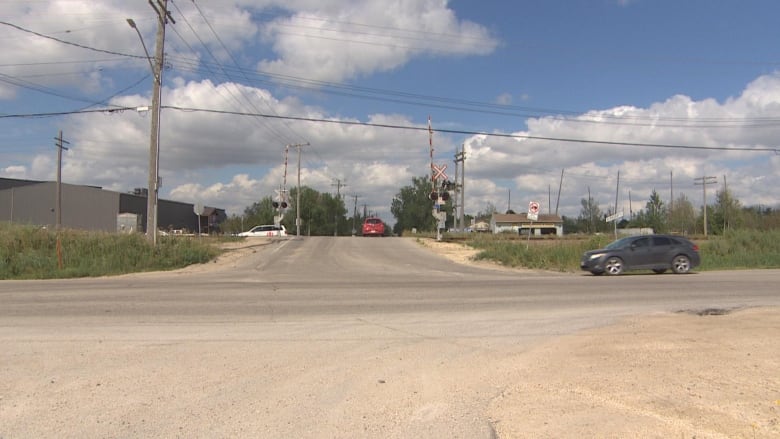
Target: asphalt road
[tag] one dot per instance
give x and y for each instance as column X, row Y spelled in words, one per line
column 312, row 337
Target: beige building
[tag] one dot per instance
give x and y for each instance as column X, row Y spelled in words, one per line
column 519, row 223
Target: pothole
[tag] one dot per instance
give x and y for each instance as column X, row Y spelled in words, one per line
column 708, row 311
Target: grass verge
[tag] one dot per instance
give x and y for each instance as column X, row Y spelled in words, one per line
column 742, row 249
column 29, row 252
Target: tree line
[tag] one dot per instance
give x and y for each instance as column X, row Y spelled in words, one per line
column 322, row 214
column 679, row 216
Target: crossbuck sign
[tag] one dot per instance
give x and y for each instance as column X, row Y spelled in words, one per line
column 438, row 172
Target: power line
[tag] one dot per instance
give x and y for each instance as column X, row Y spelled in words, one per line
column 406, row 127
column 221, row 67
column 81, row 46
column 570, row 116
column 482, row 133
column 430, row 101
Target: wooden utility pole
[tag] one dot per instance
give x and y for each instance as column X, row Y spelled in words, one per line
column 460, row 157
column 338, row 185
column 161, row 8
column 560, row 186
column 298, row 194
column 60, row 147
column 704, row 181
column 354, row 216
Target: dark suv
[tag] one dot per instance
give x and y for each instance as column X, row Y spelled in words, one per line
column 652, row 252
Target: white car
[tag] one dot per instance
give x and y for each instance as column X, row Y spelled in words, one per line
column 267, row 230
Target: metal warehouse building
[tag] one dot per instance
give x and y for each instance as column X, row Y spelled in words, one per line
column 93, row 208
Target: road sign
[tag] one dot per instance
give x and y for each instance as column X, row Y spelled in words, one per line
column 438, row 172
column 614, row 217
column 533, row 211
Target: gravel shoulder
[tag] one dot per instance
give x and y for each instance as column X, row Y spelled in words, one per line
column 698, row 374
column 691, row 374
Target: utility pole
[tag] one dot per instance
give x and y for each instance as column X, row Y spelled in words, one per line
column 617, row 191
column 726, row 204
column 298, row 194
column 461, row 158
column 338, row 185
column 60, row 147
column 671, row 197
column 704, row 181
column 558, row 200
column 354, row 216
column 161, row 8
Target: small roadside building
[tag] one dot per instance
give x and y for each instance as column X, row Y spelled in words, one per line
column 518, row 223
column 93, row 208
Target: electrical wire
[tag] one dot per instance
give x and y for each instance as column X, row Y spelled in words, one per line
column 482, row 133
column 81, row 46
column 429, row 101
column 408, row 128
column 222, row 68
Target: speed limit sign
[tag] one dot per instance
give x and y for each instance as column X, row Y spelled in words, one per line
column 533, row 210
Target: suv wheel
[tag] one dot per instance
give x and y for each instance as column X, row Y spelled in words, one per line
column 681, row 264
column 614, row 266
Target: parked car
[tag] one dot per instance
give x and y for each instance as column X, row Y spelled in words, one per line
column 266, row 230
column 373, row 226
column 651, row 252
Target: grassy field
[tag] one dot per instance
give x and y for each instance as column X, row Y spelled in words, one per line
column 28, row 252
column 735, row 250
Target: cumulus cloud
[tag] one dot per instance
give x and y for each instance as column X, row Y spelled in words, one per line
column 739, row 122
column 228, row 160
column 334, row 41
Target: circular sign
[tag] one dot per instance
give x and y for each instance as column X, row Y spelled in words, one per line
column 533, row 207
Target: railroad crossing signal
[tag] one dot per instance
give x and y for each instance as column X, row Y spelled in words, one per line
column 280, row 200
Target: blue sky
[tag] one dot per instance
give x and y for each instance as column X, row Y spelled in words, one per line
column 676, row 74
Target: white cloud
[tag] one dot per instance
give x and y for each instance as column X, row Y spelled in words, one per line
column 345, row 40
column 231, row 161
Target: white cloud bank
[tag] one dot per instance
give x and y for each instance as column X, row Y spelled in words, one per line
column 231, row 161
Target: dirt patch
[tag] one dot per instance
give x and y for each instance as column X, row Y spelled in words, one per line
column 682, row 375
column 697, row 373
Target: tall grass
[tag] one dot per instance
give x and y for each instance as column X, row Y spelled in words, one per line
column 734, row 250
column 741, row 249
column 28, row 252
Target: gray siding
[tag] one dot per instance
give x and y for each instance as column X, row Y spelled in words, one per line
column 83, row 207
column 92, row 208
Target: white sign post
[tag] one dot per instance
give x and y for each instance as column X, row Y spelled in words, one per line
column 614, row 219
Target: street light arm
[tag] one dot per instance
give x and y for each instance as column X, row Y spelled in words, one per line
column 132, row 24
